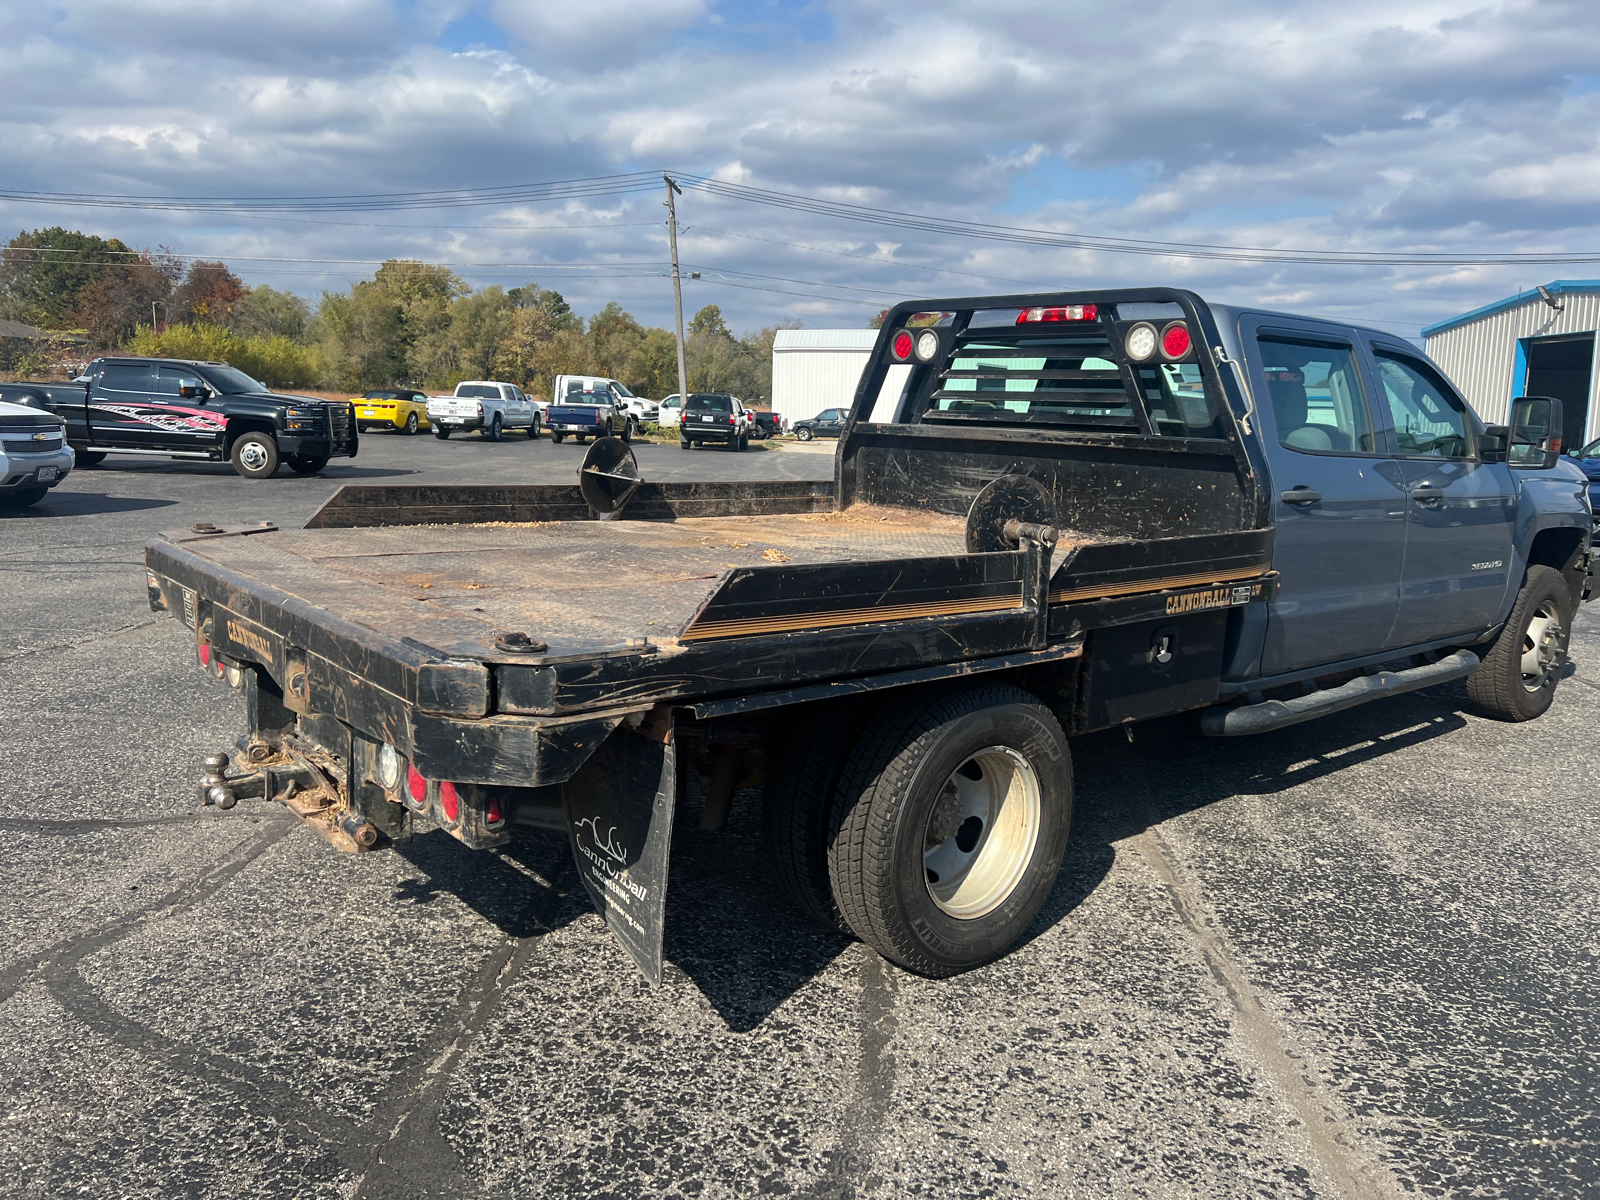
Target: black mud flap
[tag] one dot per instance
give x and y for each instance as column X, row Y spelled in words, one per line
column 619, row 810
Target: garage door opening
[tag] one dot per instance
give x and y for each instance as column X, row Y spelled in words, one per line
column 1560, row 367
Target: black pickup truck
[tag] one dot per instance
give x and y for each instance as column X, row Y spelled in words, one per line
column 1072, row 512
column 178, row 408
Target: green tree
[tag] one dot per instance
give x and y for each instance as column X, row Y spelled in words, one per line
column 123, row 298
column 44, row 273
column 270, row 312
column 273, row 359
column 708, row 322
column 551, row 304
column 362, row 339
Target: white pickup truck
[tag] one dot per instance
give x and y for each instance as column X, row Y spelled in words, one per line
column 484, row 405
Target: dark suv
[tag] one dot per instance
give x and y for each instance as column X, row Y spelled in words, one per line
column 713, row 417
column 179, row 408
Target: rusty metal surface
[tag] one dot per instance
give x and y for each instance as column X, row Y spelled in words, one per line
column 571, row 583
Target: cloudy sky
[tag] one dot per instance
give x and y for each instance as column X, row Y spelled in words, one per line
column 1438, row 126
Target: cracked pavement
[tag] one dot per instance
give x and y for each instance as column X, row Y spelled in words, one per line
column 1356, row 958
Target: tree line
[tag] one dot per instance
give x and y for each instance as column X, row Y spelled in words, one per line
column 411, row 324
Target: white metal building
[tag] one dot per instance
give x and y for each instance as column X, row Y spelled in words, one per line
column 1527, row 345
column 814, row 369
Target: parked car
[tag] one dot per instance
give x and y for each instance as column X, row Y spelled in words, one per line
column 827, row 423
column 486, row 405
column 637, row 407
column 714, row 417
column 392, row 408
column 1589, row 459
column 192, row 409
column 766, row 422
column 671, row 410
column 587, row 407
column 34, row 455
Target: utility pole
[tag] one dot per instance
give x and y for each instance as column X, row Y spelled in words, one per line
column 677, row 291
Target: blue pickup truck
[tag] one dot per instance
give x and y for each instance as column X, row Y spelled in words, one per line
column 1050, row 515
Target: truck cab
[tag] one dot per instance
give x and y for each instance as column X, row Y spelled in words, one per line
column 186, row 409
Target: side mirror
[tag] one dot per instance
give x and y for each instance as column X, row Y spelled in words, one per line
column 193, row 389
column 1492, row 443
column 1535, row 438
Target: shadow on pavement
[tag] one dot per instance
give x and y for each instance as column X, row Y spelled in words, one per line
column 82, row 504
column 739, row 940
column 220, row 469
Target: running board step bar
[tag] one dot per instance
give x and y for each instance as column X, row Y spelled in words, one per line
column 1224, row 721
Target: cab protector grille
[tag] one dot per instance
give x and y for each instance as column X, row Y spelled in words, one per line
column 29, row 446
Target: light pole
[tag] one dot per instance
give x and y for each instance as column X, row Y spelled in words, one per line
column 677, row 290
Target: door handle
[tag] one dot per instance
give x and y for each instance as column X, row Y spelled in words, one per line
column 1300, row 495
column 1426, row 493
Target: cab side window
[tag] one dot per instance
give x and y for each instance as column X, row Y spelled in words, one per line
column 1429, row 420
column 1317, row 401
column 125, row 377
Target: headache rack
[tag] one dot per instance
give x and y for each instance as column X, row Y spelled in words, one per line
column 1065, row 366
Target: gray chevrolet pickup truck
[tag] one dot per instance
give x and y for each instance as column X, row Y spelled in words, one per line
column 1050, row 515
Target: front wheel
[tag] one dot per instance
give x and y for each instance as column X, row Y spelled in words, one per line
column 803, row 434
column 307, row 466
column 411, row 424
column 949, row 826
column 23, row 497
column 255, row 455
column 441, row 433
column 627, row 432
column 1517, row 679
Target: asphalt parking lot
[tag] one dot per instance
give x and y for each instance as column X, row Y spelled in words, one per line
column 1357, row 958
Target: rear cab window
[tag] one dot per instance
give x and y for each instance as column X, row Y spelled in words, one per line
column 710, row 403
column 1317, row 400
column 477, row 391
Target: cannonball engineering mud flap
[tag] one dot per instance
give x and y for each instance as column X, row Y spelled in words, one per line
column 619, row 808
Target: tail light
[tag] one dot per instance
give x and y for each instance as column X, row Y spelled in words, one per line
column 1141, row 341
column 901, row 346
column 205, row 654
column 491, row 813
column 449, row 802
column 416, row 784
column 389, row 767
column 1175, row 341
column 730, row 420
column 1065, row 312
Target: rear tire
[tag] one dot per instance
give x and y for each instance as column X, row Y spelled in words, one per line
column 412, row 424
column 1518, row 676
column 941, row 876
column 494, row 430
column 533, row 430
column 685, row 444
column 442, row 433
column 557, row 438
column 796, row 813
column 255, row 455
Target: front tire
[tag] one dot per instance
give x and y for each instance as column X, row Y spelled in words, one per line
column 803, row 434
column 1517, row 679
column 412, row 424
column 627, row 432
column 255, row 455
column 949, row 825
column 307, row 466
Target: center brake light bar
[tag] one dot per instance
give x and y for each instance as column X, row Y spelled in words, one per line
column 1070, row 312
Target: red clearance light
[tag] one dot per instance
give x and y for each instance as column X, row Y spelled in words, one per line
column 449, row 802
column 1070, row 312
column 417, row 785
column 1175, row 341
column 491, row 814
column 205, row 654
column 901, row 346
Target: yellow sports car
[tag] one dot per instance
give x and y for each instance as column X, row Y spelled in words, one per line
column 391, row 408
